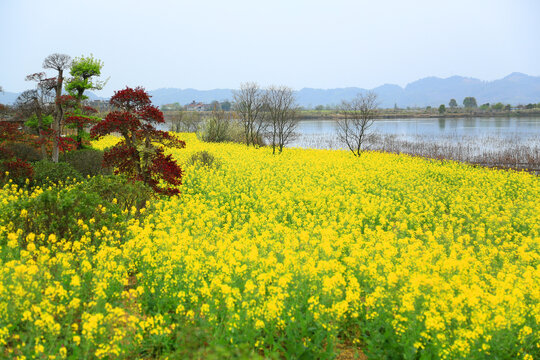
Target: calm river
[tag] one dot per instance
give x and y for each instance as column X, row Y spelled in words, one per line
column 323, row 133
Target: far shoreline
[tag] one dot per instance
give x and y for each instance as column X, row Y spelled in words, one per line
column 390, row 114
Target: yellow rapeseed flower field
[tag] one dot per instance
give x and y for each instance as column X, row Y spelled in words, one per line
column 299, row 255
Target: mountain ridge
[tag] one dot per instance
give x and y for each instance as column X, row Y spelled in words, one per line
column 515, row 88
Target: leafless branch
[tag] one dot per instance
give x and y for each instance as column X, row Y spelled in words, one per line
column 358, row 118
column 282, row 116
column 58, row 62
column 249, row 105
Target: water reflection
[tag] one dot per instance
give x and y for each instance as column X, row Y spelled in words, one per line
column 442, row 123
column 436, row 127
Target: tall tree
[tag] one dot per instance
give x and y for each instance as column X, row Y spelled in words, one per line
column 358, row 116
column 83, row 72
column 140, row 154
column 442, row 109
column 452, row 104
column 470, row 102
column 282, row 115
column 249, row 104
column 58, row 62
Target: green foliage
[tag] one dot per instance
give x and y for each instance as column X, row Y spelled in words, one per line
column 32, row 122
column 172, row 107
column 128, row 193
column 214, row 129
column 61, row 211
column 485, row 106
column 452, row 103
column 47, row 173
column 442, row 109
column 226, row 105
column 470, row 102
column 82, row 71
column 57, row 211
column 23, row 151
column 88, row 162
column 498, row 106
column 204, row 158
column 221, row 127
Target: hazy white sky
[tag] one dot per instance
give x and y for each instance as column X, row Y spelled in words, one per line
column 207, row 44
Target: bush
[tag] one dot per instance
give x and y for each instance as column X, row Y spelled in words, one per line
column 88, row 162
column 219, row 129
column 47, row 172
column 19, row 171
column 204, row 158
column 60, row 211
column 128, row 193
column 24, row 151
column 5, row 153
column 214, row 129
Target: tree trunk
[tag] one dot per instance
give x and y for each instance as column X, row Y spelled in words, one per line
column 39, row 115
column 58, row 118
column 79, row 127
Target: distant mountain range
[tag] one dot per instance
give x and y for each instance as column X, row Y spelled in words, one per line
column 516, row 88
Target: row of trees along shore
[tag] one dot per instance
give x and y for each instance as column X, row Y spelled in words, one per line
column 272, row 114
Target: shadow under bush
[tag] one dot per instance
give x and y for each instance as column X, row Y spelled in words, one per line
column 24, row 151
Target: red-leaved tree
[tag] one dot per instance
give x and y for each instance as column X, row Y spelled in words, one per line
column 140, row 154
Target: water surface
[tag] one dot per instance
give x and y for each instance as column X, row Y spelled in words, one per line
column 524, row 129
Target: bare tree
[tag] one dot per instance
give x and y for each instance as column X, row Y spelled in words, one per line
column 358, row 116
column 38, row 102
column 185, row 121
column 249, row 105
column 282, row 116
column 58, row 62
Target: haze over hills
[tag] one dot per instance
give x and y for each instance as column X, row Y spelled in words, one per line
column 516, row 88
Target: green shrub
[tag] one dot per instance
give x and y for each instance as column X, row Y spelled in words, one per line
column 221, row 129
column 203, row 158
column 127, row 193
column 24, row 151
column 33, row 122
column 214, row 129
column 88, row 162
column 59, row 210
column 47, row 172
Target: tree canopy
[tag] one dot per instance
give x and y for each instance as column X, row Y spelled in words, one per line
column 83, row 71
column 470, row 102
column 140, row 154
